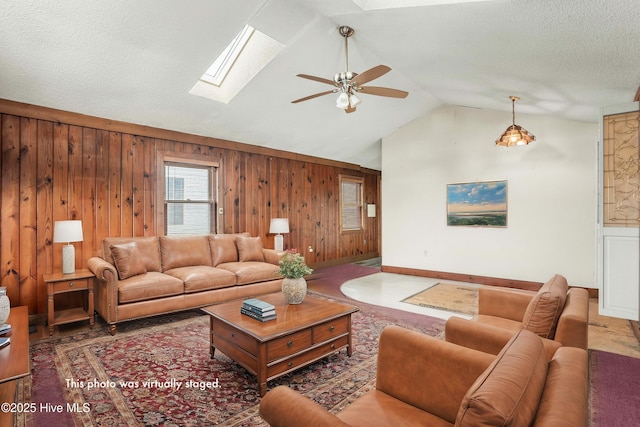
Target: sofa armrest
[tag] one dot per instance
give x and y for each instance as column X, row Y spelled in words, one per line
column 565, row 398
column 272, row 256
column 282, row 407
column 486, row 338
column 573, row 323
column 102, row 269
column 105, row 289
column 428, row 373
column 502, row 302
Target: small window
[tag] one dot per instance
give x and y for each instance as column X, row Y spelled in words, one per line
column 189, row 201
column 351, row 205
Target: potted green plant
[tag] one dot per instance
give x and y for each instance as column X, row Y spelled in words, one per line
column 293, row 268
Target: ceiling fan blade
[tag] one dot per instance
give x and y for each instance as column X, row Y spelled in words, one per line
column 306, row 98
column 384, row 91
column 317, row 79
column 370, row 74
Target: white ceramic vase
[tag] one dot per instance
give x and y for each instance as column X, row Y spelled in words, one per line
column 294, row 290
column 5, row 306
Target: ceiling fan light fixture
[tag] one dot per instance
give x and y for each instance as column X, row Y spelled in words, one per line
column 514, row 134
column 347, row 83
column 354, row 100
column 343, row 100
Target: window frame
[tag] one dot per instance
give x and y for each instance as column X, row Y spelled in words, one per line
column 360, row 206
column 187, row 161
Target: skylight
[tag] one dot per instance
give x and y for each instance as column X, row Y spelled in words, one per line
column 394, row 4
column 223, row 63
column 248, row 53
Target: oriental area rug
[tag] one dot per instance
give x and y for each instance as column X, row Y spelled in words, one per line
column 158, row 372
column 448, row 297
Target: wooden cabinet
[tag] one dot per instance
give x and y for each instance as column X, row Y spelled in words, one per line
column 58, row 283
column 15, row 361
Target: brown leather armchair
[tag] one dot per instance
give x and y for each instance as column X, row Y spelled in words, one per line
column 423, row 381
column 559, row 315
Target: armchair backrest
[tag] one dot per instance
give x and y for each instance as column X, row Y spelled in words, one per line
column 541, row 316
column 508, row 391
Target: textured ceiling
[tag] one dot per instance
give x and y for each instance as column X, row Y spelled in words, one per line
column 137, row 61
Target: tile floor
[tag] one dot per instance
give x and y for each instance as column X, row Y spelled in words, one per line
column 389, row 289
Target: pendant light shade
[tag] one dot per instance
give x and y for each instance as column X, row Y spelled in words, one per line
column 515, row 135
column 343, row 100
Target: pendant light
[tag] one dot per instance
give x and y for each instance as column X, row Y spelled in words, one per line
column 515, row 135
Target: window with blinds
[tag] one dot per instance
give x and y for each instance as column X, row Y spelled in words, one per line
column 189, row 199
column 351, row 205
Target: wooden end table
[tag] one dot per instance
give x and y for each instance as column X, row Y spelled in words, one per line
column 301, row 334
column 58, row 283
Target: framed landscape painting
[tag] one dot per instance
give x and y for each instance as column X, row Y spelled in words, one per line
column 477, row 204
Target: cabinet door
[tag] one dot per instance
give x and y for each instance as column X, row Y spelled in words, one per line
column 619, row 213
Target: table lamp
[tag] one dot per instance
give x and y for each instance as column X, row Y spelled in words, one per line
column 277, row 227
column 68, row 231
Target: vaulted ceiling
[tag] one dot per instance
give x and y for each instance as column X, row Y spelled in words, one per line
column 136, row 61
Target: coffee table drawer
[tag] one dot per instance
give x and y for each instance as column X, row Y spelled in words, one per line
column 238, row 338
column 286, row 346
column 329, row 330
column 308, row 357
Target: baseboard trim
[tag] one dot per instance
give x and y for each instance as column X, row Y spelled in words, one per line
column 346, row 260
column 460, row 277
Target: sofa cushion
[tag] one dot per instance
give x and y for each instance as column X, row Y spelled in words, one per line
column 127, row 259
column 249, row 249
column 223, row 248
column 541, row 316
column 184, row 251
column 377, row 408
column 251, row 271
column 148, row 246
column 148, row 286
column 508, row 391
column 202, row 277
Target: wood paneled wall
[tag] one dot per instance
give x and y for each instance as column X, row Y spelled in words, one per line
column 58, row 165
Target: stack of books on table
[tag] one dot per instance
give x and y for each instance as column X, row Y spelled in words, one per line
column 258, row 309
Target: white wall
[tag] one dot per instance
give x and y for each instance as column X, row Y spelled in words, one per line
column 551, row 196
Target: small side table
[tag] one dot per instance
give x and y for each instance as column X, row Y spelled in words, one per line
column 58, row 283
column 15, row 361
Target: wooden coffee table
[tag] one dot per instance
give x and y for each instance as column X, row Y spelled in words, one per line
column 302, row 334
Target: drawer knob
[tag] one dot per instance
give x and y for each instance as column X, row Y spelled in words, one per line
column 333, row 346
column 331, row 328
column 289, row 343
column 71, row 284
column 290, row 364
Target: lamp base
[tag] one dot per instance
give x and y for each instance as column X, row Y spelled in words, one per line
column 278, row 242
column 68, row 259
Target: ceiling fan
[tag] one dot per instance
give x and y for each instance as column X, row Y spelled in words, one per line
column 348, row 83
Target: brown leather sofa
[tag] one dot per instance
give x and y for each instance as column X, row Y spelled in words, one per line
column 559, row 315
column 143, row 276
column 423, row 381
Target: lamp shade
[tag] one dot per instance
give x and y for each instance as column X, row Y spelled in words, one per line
column 354, row 100
column 279, row 225
column 515, row 135
column 67, row 231
column 343, row 100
